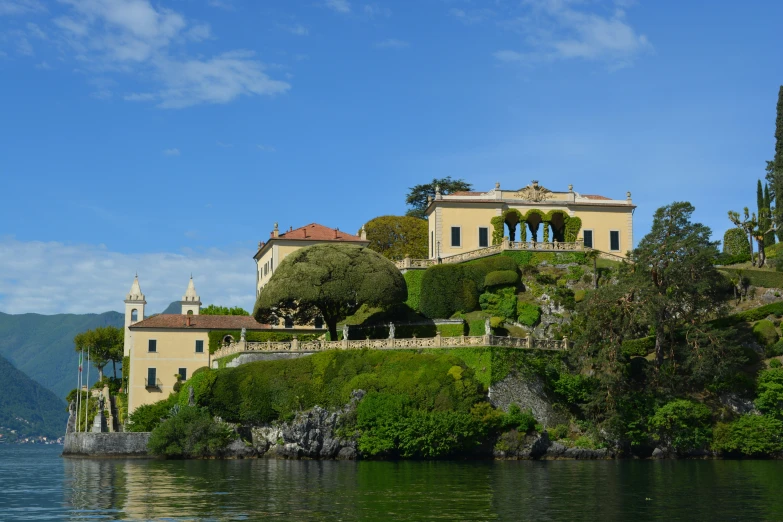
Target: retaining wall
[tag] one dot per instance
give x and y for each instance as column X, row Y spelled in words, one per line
column 118, row 445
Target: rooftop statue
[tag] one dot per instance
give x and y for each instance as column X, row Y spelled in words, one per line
column 534, row 192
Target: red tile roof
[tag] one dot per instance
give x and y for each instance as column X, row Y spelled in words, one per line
column 316, row 232
column 466, row 193
column 593, row 196
column 201, row 322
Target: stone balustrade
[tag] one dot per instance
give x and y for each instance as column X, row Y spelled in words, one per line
column 555, row 246
column 414, row 343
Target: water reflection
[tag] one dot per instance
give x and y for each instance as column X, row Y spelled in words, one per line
column 36, row 484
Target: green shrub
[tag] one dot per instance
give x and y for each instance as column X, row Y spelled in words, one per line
column 190, row 433
column 565, row 298
column 729, row 259
column 529, row 314
column 774, row 350
column 476, row 327
column 573, row 388
column 451, row 330
column 516, row 418
column 682, row 425
column 559, row 432
column 147, row 417
column 390, row 425
column 445, row 289
column 579, row 295
column 765, row 332
column 775, row 363
column 521, row 258
column 638, row 347
column 413, row 279
column 501, row 278
column 755, row 314
column 575, row 273
column 478, row 270
column 545, row 279
column 735, row 242
column 502, row 302
column 770, row 392
column 751, row 435
column 496, row 322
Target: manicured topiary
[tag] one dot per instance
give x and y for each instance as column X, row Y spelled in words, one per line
column 445, row 290
column 529, row 314
column 765, row 332
column 413, row 280
column 735, row 242
column 501, row 278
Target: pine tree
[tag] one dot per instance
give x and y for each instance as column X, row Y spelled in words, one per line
column 777, row 163
column 769, row 240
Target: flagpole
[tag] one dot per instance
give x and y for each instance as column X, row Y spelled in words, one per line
column 79, row 389
column 87, row 400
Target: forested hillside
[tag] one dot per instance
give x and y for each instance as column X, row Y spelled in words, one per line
column 27, row 407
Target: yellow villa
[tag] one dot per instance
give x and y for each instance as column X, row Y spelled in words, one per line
column 165, row 346
column 533, row 217
column 280, row 245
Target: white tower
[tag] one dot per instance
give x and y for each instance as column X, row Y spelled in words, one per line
column 134, row 312
column 191, row 302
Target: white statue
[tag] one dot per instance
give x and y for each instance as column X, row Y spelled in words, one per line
column 345, row 331
column 487, row 327
column 242, row 335
column 391, row 330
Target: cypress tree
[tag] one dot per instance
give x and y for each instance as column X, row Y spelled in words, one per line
column 769, row 240
column 777, row 163
column 760, row 199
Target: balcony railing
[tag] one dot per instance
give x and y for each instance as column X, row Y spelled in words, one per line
column 154, row 384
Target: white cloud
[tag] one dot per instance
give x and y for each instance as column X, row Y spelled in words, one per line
column 373, row 10
column 171, row 152
column 137, row 37
column 471, row 16
column 91, row 278
column 265, row 148
column 298, row 30
column 392, row 43
column 43, row 66
column 340, row 6
column 35, row 31
column 222, row 4
column 18, row 7
column 224, row 145
column 566, row 29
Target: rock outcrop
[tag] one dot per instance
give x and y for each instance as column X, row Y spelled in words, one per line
column 311, row 435
column 528, row 393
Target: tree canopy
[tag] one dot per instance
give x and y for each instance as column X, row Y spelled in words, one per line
column 417, row 195
column 105, row 344
column 395, row 237
column 223, row 310
column 330, row 280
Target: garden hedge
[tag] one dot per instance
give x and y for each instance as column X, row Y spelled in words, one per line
column 765, row 332
column 413, row 279
column 763, row 278
column 501, row 278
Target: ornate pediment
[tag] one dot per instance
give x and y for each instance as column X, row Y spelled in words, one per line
column 534, row 192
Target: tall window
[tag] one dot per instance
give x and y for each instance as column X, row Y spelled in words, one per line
column 199, row 346
column 614, row 240
column 183, row 374
column 289, row 323
column 432, row 244
column 152, row 377
column 589, row 238
column 152, row 345
column 456, row 239
column 483, row 237
column 134, row 315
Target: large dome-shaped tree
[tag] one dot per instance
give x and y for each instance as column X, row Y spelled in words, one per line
column 331, row 280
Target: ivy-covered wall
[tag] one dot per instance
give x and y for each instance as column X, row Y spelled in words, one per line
column 572, row 225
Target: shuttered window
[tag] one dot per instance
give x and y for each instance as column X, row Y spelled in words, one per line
column 456, row 239
column 152, row 346
column 589, row 238
column 614, row 240
column 483, row 237
column 199, row 346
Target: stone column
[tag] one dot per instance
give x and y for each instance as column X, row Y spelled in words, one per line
column 565, row 343
column 295, row 344
column 437, row 339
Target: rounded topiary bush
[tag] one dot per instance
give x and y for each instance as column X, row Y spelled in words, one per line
column 501, row 278
column 735, row 242
column 765, row 332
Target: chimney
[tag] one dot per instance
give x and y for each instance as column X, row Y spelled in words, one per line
column 335, row 233
column 276, row 232
column 188, row 321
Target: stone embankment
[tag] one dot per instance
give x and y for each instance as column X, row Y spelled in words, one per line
column 113, row 445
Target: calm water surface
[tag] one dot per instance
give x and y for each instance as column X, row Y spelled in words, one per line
column 36, row 484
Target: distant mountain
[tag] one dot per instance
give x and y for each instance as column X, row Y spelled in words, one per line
column 27, row 407
column 42, row 345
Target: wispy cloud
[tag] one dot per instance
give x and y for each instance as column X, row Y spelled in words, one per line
column 265, row 148
column 471, row 16
column 18, row 7
column 374, row 10
column 392, row 43
column 224, row 145
column 572, row 29
column 226, row 5
column 340, row 6
column 171, row 152
column 149, row 41
column 90, row 278
column 298, row 30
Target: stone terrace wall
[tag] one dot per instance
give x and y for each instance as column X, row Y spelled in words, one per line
column 119, row 445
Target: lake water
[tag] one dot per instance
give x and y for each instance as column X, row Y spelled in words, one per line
column 36, row 484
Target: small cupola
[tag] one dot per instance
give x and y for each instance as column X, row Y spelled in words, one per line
column 191, row 302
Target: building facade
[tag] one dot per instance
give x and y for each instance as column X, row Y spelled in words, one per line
column 466, row 221
column 280, row 245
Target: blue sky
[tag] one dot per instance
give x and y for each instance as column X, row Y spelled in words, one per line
column 168, row 136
